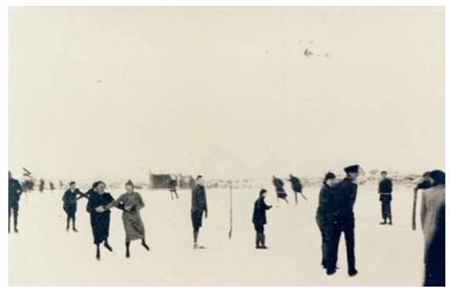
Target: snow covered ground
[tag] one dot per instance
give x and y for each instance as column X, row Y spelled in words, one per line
column 43, row 253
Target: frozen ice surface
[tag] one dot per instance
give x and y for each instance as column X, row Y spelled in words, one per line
column 44, row 254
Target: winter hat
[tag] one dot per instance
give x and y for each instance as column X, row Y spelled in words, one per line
column 352, row 169
column 262, row 192
column 329, row 176
column 438, row 177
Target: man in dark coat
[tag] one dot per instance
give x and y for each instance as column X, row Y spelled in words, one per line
column 325, row 220
column 296, row 186
column 279, row 188
column 15, row 190
column 99, row 205
column 385, row 191
column 433, row 225
column 259, row 219
column 343, row 201
column 198, row 207
column 70, row 198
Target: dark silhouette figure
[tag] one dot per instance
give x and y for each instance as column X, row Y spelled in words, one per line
column 198, row 207
column 15, row 191
column 260, row 219
column 433, row 225
column 385, row 191
column 99, row 205
column 70, row 198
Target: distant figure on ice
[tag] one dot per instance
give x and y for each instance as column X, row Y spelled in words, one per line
column 15, row 190
column 385, row 191
column 296, row 187
column 344, row 199
column 433, row 225
column 173, row 188
column 99, row 205
column 70, row 198
column 198, row 207
column 325, row 220
column 422, row 184
column 131, row 203
column 279, row 188
column 41, row 185
column 260, row 219
column 61, row 184
column 52, row 186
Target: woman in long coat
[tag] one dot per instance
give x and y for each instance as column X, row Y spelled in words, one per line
column 131, row 203
column 99, row 205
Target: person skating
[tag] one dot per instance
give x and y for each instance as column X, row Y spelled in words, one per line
column 99, row 205
column 52, row 186
column 173, row 188
column 343, row 201
column 296, row 187
column 15, row 191
column 433, row 225
column 260, row 219
column 199, row 207
column 325, row 220
column 279, row 188
column 131, row 203
column 70, row 198
column 41, row 185
column 385, row 191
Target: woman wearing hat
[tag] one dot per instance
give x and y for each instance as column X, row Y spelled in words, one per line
column 99, row 204
column 324, row 218
column 131, row 203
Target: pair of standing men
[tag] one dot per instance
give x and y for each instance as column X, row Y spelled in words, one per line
column 335, row 217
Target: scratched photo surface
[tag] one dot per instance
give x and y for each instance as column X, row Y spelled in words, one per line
column 238, row 95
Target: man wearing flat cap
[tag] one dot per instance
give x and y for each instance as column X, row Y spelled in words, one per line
column 343, row 200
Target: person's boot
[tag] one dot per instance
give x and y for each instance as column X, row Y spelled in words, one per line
column 384, row 222
column 67, row 225
column 331, row 271
column 352, row 272
column 258, row 241
column 144, row 244
column 97, row 255
column 127, row 246
column 73, row 226
column 263, row 242
column 390, row 221
column 107, row 246
column 15, row 226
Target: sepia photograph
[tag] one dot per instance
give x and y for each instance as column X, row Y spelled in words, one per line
column 225, row 145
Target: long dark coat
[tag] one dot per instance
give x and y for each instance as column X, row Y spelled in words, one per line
column 259, row 212
column 325, row 211
column 296, row 184
column 99, row 221
column 15, row 190
column 344, row 199
column 433, row 225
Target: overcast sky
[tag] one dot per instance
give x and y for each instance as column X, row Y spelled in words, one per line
column 224, row 92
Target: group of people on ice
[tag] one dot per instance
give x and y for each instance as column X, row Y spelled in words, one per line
column 334, row 215
column 296, row 185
